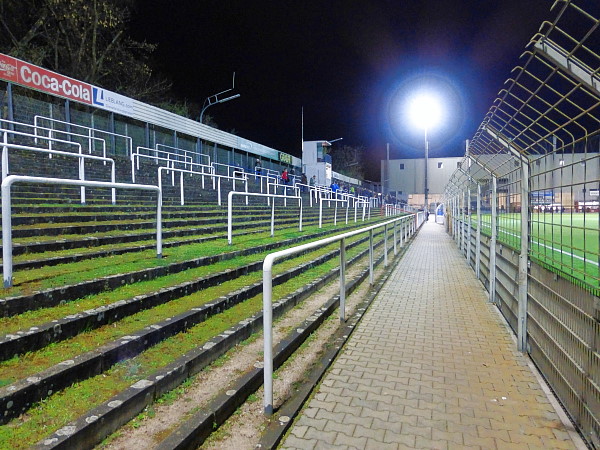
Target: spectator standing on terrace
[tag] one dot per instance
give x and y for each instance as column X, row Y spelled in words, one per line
column 257, row 168
column 313, row 180
column 304, row 182
column 285, row 177
column 334, row 188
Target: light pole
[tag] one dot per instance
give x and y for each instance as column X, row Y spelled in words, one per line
column 425, row 112
column 214, row 99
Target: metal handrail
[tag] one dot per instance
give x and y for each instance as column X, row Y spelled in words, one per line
column 285, row 188
column 268, row 287
column 50, row 130
column 185, row 152
column 91, row 130
column 81, row 156
column 135, row 159
column 252, row 194
column 7, row 258
column 229, row 166
column 20, row 133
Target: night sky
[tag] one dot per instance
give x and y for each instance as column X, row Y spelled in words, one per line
column 350, row 64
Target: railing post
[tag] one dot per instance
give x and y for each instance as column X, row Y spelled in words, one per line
column 5, row 156
column 219, row 191
column 181, row 194
column 321, row 212
column 402, row 231
column 7, row 268
column 395, row 240
column 343, row 280
column 385, row 246
column 82, row 178
column 371, row 275
column 159, row 201
column 335, row 214
column 272, row 217
column 229, row 218
column 268, row 337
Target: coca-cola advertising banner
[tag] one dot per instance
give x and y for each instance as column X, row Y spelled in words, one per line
column 25, row 74
column 35, row 77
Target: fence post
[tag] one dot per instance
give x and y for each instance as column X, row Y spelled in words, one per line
column 523, row 258
column 478, row 235
column 462, row 222
column 470, row 213
column 494, row 219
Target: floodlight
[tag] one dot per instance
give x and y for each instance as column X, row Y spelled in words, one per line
column 425, row 111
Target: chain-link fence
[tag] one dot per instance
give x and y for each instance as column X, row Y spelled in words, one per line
column 524, row 207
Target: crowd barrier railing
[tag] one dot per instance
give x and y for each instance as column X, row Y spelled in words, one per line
column 169, row 157
column 91, row 131
column 5, row 187
column 270, row 260
column 272, row 198
column 80, row 156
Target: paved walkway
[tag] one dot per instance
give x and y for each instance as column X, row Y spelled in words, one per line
column 431, row 365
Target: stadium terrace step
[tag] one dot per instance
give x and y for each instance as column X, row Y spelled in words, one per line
column 17, row 304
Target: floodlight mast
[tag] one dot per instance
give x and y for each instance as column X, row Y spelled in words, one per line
column 214, row 99
column 425, row 112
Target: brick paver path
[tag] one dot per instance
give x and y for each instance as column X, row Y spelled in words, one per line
column 431, row 365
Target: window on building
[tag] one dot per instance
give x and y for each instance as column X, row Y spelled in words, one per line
column 440, row 165
column 401, row 166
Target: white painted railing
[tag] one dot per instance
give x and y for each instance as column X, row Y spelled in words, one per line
column 81, row 156
column 7, row 261
column 252, row 194
column 228, row 168
column 185, row 152
column 270, row 260
column 52, row 132
column 284, row 189
column 157, row 156
column 91, row 131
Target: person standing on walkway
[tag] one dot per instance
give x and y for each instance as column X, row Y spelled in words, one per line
column 285, row 178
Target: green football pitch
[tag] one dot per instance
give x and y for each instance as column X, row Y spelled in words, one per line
column 568, row 242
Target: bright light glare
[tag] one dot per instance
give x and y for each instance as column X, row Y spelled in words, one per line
column 425, row 111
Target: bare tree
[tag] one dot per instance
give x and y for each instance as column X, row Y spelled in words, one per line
column 348, row 160
column 84, row 39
